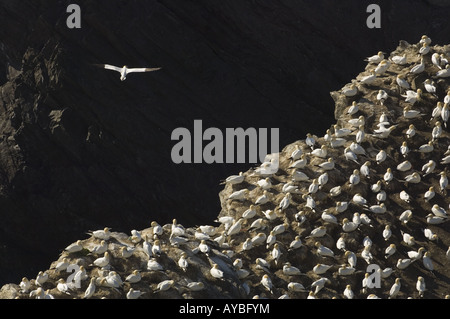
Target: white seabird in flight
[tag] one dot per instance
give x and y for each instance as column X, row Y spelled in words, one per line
column 124, row 71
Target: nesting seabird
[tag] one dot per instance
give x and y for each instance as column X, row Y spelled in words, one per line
column 437, row 131
column 411, row 131
column 290, row 270
column 348, row 293
column 443, row 181
column 266, row 282
column 402, row 82
column 234, row 179
column 239, row 195
column 439, row 211
column 424, row 39
column 90, row 290
column 429, row 234
column 323, row 250
column 195, row 286
column 165, row 285
column 263, row 199
column 41, row 277
column 389, row 251
column 436, row 60
column 103, row 261
column 399, row 59
column 428, row 167
column 382, row 67
column 353, row 109
column 420, row 285
column 408, row 239
column 319, row 284
column 395, row 288
column 74, row 247
column 427, row 262
column 377, row 58
column 430, row 86
column 24, row 285
column 387, row 232
column 415, row 255
column 295, row 155
column 320, row 269
column 351, row 258
column 320, row 231
column 409, row 113
column 350, row 91
column 265, row 183
column 405, row 216
column 425, row 49
column 134, row 294
column 300, row 163
column 310, row 140
column 346, row 270
column 258, row 239
column 445, row 73
column 436, row 113
column 296, row 243
column 329, row 218
column 350, row 155
column 270, row 214
column 382, row 96
column 296, row 287
column 134, row 277
column 445, row 113
column 348, row 226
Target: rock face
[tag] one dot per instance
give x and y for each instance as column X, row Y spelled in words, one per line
column 79, row 148
column 315, row 216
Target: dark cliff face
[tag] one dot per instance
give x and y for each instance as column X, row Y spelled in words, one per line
column 80, row 149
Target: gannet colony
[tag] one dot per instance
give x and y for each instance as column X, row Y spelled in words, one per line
column 358, row 213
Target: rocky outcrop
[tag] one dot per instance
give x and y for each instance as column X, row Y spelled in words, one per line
column 79, row 148
column 245, row 259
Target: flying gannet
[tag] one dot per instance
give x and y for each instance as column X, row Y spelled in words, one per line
column 124, row 71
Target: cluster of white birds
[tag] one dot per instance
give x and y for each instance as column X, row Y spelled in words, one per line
column 309, row 221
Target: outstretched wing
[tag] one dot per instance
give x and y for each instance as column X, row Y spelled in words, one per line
column 109, row 67
column 142, row 70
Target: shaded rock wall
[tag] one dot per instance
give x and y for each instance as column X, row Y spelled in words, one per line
column 80, row 149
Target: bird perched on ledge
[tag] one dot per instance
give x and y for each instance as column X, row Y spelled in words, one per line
column 375, row 58
column 317, row 211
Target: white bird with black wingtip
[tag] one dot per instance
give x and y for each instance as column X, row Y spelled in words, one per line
column 124, row 71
